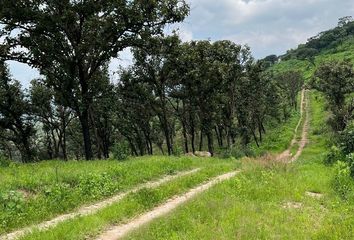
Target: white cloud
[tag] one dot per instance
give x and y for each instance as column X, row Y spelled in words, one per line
column 268, row 26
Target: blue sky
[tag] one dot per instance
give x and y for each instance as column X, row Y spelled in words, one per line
column 267, row 26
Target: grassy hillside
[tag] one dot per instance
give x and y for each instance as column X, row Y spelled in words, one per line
column 341, row 52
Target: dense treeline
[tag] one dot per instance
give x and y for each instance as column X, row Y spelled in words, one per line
column 175, row 97
column 336, row 81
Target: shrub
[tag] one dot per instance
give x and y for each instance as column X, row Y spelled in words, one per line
column 12, row 201
column 4, row 162
column 346, row 139
column 342, row 183
column 350, row 161
column 237, row 152
column 58, row 192
column 96, row 185
column 177, row 151
column 121, row 151
column 334, row 155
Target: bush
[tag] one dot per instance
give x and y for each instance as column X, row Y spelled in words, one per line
column 59, row 192
column 350, row 161
column 237, row 152
column 96, row 185
column 334, row 155
column 346, row 139
column 12, row 201
column 342, row 183
column 121, row 151
column 4, row 162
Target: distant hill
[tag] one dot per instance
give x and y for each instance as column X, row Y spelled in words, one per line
column 336, row 43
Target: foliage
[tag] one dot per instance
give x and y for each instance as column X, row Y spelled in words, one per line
column 12, row 201
column 16, row 123
column 350, row 161
column 96, row 185
column 291, row 82
column 346, row 139
column 4, row 162
column 335, row 79
column 342, row 183
column 121, row 151
column 334, row 155
column 71, row 42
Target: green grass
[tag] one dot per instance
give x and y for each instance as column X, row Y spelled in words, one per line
column 252, row 205
column 343, row 51
column 32, row 193
column 35, row 192
column 131, row 206
column 279, row 136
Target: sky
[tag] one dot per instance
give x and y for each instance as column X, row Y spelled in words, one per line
column 267, row 26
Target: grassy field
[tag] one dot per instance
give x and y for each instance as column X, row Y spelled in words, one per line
column 131, row 206
column 267, row 201
column 36, row 192
column 32, row 193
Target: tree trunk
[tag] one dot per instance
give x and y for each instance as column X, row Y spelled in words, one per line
column 210, row 143
column 84, row 120
column 192, row 134
column 201, row 141
column 255, row 138
column 185, row 137
column 26, row 152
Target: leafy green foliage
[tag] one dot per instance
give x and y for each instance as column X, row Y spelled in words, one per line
column 334, row 155
column 71, row 42
column 346, row 139
column 342, row 183
column 16, row 123
column 350, row 161
column 97, row 185
column 121, row 151
column 4, row 162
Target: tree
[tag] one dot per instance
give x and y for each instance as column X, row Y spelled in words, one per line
column 16, row 123
column 336, row 80
column 53, row 116
column 70, row 41
column 345, row 20
column 291, row 83
column 153, row 68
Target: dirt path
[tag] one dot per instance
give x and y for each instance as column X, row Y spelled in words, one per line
column 286, row 156
column 119, row 231
column 88, row 210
